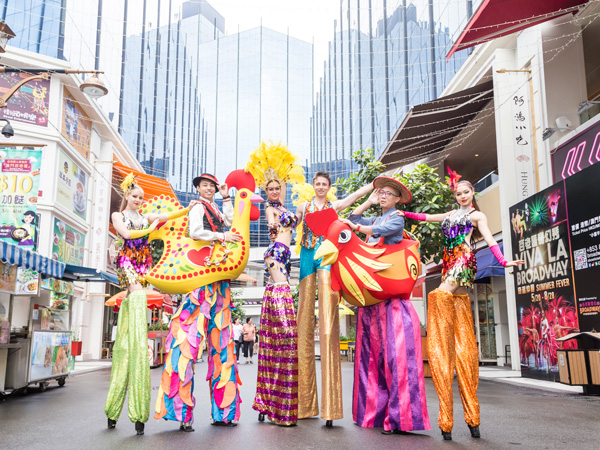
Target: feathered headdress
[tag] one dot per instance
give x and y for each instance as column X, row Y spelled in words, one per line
column 453, row 178
column 274, row 162
column 128, row 184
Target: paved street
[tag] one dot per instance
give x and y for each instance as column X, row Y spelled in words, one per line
column 72, row 418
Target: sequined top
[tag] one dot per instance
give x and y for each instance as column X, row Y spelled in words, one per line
column 287, row 220
column 309, row 239
column 133, row 257
column 459, row 264
column 456, row 229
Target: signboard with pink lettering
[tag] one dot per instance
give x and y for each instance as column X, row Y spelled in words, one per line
column 30, row 103
column 577, row 153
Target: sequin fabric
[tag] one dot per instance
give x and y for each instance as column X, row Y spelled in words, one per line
column 451, row 345
column 287, row 220
column 277, row 380
column 130, row 372
column 133, row 256
column 281, row 253
column 459, row 264
column 309, row 239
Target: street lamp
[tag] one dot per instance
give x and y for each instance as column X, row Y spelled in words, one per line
column 92, row 87
column 5, row 34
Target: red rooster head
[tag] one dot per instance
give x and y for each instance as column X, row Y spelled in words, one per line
column 365, row 274
column 242, row 180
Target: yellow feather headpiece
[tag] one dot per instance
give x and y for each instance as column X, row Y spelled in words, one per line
column 128, row 184
column 274, row 162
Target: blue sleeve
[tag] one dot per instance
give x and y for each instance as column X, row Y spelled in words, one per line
column 394, row 225
column 360, row 220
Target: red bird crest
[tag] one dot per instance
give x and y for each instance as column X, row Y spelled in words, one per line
column 365, row 274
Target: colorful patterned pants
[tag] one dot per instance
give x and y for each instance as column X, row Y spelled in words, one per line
column 389, row 384
column 130, row 366
column 451, row 345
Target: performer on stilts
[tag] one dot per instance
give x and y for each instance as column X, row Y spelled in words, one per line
column 451, row 341
column 204, row 314
column 329, row 324
column 389, row 383
column 273, row 166
column 130, row 372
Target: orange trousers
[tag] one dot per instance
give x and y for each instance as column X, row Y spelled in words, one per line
column 451, row 345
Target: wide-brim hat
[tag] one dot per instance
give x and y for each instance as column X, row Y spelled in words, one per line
column 207, row 177
column 405, row 194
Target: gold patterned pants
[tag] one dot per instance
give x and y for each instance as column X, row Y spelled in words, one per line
column 451, row 345
column 329, row 340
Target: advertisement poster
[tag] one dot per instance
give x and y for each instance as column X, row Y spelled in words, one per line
column 71, row 186
column 18, row 280
column 19, row 187
column 50, row 355
column 584, row 222
column 544, row 286
column 30, row 103
column 76, row 125
column 67, row 244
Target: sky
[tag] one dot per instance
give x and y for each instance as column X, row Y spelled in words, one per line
column 305, row 19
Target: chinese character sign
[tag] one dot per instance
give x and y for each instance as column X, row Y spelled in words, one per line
column 522, row 142
column 67, row 244
column 19, row 182
column 30, row 103
column 76, row 125
column 544, row 285
column 71, row 186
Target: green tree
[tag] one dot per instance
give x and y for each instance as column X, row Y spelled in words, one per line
column 238, row 305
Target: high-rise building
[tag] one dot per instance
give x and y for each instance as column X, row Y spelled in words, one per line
column 386, row 56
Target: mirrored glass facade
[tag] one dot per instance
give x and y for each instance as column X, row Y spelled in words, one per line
column 386, row 56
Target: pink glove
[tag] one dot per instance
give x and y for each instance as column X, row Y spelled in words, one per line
column 417, row 216
column 498, row 254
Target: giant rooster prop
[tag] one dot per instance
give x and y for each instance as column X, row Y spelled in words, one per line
column 187, row 263
column 365, row 274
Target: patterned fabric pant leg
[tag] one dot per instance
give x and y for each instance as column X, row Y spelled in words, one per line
column 130, row 366
column 308, row 402
column 277, row 379
column 389, row 383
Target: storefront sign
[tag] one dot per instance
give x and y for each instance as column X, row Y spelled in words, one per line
column 522, row 142
column 30, row 103
column 577, row 153
column 18, row 280
column 76, row 125
column 584, row 223
column 58, row 286
column 50, row 354
column 67, row 244
column 19, row 182
column 71, row 189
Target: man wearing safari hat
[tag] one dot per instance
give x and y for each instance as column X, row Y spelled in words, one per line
column 389, row 387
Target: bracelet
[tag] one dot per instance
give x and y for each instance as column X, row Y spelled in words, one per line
column 358, row 228
column 227, row 198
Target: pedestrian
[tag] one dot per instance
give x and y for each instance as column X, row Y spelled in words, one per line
column 130, row 373
column 451, row 342
column 237, row 336
column 388, row 336
column 249, row 333
column 277, row 378
column 329, row 330
column 204, row 312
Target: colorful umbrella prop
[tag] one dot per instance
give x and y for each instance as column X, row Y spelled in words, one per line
column 154, row 299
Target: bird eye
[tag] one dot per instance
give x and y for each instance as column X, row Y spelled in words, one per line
column 243, row 195
column 413, row 267
column 344, row 236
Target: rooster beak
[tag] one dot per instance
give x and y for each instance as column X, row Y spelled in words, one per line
column 328, row 252
column 256, row 199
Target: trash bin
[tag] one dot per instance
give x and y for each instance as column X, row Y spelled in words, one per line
column 581, row 366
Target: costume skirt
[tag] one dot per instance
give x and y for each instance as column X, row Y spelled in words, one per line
column 133, row 261
column 277, row 381
column 459, row 266
column 280, row 253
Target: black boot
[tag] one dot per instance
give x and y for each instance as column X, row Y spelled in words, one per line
column 447, row 435
column 139, row 427
column 475, row 432
column 186, row 426
column 112, row 423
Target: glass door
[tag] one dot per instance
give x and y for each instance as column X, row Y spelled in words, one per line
column 487, row 326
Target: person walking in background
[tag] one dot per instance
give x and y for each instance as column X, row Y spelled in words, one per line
column 249, row 333
column 237, row 336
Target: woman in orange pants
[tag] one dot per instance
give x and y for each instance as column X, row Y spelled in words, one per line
column 450, row 335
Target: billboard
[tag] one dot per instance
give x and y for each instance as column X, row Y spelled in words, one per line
column 30, row 103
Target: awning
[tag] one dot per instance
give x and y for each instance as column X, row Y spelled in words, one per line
column 497, row 18
column 487, row 264
column 150, row 184
column 429, row 127
column 81, row 273
column 15, row 255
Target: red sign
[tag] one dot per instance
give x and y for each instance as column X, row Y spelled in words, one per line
column 16, row 165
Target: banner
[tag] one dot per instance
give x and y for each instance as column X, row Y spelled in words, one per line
column 584, row 221
column 71, row 189
column 30, row 103
column 76, row 125
column 50, row 355
column 544, row 285
column 67, row 244
column 576, row 154
column 19, row 187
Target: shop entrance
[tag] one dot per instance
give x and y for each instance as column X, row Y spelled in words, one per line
column 485, row 325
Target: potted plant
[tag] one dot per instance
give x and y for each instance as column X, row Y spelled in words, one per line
column 76, row 344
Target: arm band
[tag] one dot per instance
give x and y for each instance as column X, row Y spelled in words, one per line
column 416, row 216
column 498, row 254
column 136, row 234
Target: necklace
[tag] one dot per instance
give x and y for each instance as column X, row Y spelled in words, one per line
column 137, row 219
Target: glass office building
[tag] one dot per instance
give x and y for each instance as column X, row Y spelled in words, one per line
column 386, row 56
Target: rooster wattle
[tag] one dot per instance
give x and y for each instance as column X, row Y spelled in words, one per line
column 365, row 274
